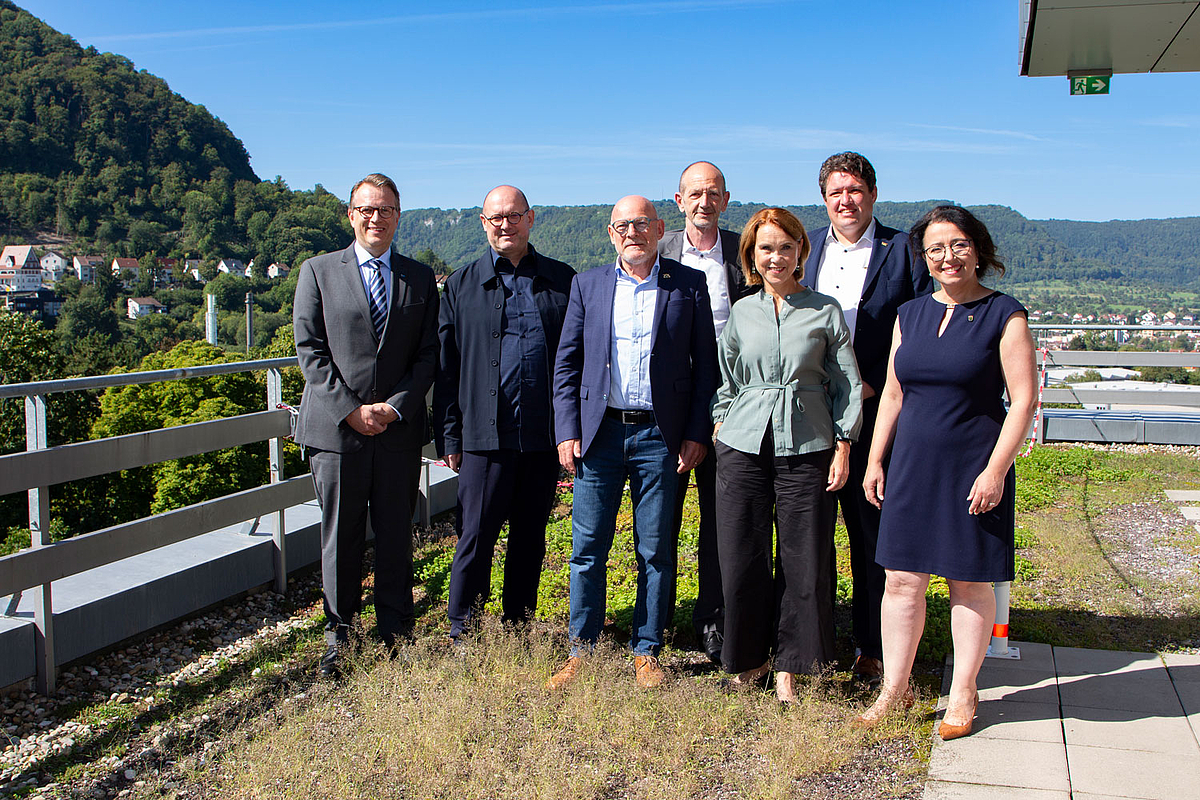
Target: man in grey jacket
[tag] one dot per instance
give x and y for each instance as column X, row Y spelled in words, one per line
column 365, row 322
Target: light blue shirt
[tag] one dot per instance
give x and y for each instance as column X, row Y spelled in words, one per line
column 632, row 335
column 365, row 269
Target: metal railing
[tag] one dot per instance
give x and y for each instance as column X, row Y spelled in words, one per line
column 40, row 467
column 1129, row 359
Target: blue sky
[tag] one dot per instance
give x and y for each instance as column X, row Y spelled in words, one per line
column 585, row 103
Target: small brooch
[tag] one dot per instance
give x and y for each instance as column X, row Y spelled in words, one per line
column 970, row 318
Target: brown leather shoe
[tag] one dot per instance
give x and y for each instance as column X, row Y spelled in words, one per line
column 888, row 701
column 868, row 671
column 648, row 673
column 949, row 731
column 565, row 675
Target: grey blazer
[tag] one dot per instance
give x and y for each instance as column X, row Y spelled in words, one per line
column 671, row 246
column 346, row 365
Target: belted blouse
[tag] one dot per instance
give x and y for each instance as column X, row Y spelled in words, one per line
column 795, row 372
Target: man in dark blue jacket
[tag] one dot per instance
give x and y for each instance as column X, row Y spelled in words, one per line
column 868, row 269
column 498, row 328
column 635, row 373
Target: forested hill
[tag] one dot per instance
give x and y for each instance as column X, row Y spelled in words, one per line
column 576, row 234
column 86, row 140
column 1165, row 251
column 111, row 160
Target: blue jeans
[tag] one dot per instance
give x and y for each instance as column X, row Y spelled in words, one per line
column 636, row 452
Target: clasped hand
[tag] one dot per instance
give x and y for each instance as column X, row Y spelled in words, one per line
column 371, row 419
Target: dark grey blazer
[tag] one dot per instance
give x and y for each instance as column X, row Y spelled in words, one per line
column 671, row 246
column 346, row 365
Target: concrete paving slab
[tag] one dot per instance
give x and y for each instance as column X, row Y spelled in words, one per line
column 1034, row 655
column 1081, row 661
column 1191, row 513
column 1133, row 773
column 1151, row 697
column 1189, row 695
column 944, row 790
column 1183, row 495
column 1029, row 722
column 1000, row 762
column 1128, row 730
column 1013, row 684
column 1183, row 666
column 1091, row 796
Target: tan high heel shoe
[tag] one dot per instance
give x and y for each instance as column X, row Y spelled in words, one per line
column 949, row 731
column 888, row 701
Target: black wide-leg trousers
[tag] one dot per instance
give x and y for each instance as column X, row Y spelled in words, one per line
column 777, row 587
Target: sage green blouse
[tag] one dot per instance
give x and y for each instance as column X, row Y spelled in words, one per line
column 796, row 373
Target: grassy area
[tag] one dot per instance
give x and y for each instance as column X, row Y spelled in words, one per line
column 474, row 722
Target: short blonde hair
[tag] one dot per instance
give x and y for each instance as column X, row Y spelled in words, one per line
column 784, row 220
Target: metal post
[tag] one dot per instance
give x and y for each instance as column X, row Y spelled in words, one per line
column 275, row 456
column 999, row 647
column 249, row 321
column 39, row 535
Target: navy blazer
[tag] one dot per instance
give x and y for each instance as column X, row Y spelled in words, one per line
column 893, row 277
column 683, row 356
column 671, row 246
column 466, row 393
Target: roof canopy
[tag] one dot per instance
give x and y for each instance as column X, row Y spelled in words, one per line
column 1097, row 36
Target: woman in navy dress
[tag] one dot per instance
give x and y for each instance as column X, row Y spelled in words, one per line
column 950, row 482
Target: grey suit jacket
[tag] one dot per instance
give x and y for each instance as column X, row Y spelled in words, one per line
column 345, row 364
column 671, row 246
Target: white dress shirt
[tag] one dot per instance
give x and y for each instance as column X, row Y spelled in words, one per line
column 712, row 264
column 843, row 271
column 632, row 334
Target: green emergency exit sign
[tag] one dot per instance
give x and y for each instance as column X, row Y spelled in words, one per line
column 1090, row 84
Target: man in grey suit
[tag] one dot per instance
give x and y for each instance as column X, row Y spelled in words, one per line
column 365, row 322
column 704, row 245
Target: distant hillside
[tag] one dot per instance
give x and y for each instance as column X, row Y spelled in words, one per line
column 1163, row 251
column 111, row 159
column 576, row 234
column 88, row 144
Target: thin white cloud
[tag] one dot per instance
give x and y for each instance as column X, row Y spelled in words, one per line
column 985, row 131
column 639, row 9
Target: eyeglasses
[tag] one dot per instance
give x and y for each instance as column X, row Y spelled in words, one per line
column 385, row 212
column 961, row 248
column 498, row 219
column 641, row 225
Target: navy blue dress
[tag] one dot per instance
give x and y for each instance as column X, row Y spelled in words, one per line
column 948, row 426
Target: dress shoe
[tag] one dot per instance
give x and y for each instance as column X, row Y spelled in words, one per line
column 712, row 642
column 949, row 731
column 331, row 662
column 888, row 701
column 867, row 670
column 569, row 671
column 648, row 673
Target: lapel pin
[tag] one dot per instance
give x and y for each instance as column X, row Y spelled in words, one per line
column 970, row 318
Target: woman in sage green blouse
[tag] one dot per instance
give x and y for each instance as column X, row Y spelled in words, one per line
column 788, row 407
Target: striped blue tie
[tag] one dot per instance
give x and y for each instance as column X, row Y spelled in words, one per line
column 378, row 297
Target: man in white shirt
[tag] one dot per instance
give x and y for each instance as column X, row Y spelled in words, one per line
column 703, row 245
column 869, row 269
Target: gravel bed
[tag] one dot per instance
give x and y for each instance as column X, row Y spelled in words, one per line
column 37, row 728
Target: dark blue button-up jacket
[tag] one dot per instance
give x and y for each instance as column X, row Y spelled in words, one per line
column 471, row 323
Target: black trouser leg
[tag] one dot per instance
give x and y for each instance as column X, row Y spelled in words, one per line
column 862, row 528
